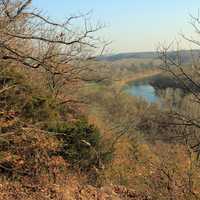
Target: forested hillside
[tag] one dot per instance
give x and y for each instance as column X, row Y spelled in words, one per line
column 68, row 129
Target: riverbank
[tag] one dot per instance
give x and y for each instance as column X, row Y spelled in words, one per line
column 137, row 76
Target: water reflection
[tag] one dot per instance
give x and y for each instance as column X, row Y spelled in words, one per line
column 145, row 91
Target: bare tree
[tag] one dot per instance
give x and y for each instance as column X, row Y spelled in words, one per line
column 29, row 39
column 189, row 78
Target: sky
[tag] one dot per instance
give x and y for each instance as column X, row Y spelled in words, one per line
column 131, row 25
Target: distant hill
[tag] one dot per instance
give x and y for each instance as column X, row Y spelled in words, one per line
column 185, row 55
column 120, row 56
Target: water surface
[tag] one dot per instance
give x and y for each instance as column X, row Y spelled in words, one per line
column 143, row 90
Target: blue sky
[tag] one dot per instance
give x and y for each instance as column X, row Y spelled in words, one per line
column 132, row 25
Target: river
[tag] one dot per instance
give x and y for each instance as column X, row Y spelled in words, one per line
column 142, row 89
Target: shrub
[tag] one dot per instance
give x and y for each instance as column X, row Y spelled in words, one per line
column 39, row 108
column 33, row 103
column 80, row 144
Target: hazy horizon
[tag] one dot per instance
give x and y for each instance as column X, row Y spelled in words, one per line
column 133, row 26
